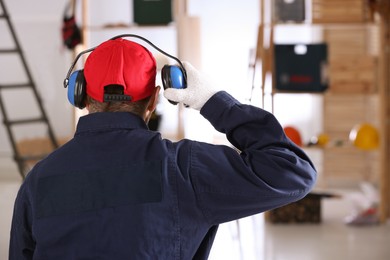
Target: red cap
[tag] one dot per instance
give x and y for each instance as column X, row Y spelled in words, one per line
column 120, row 62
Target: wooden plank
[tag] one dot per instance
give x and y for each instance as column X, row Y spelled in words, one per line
column 349, row 163
column 347, row 40
column 343, row 112
column 353, row 75
column 338, row 11
column 335, row 1
column 336, row 20
column 351, row 88
column 352, row 67
column 38, row 145
column 384, row 93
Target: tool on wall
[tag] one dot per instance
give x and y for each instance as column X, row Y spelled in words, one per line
column 71, row 33
column 21, row 160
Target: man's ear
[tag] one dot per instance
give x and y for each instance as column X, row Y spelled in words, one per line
column 154, row 99
column 152, row 104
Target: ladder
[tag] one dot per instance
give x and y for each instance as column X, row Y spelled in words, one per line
column 22, row 161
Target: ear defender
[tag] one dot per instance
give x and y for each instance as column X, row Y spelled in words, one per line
column 173, row 77
column 77, row 89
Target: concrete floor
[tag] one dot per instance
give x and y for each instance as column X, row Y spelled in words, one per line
column 254, row 239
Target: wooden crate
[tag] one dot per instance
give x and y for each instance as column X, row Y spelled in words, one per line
column 353, row 62
column 344, row 163
column 353, row 75
column 306, row 210
column 343, row 112
column 338, row 11
column 347, row 40
column 352, row 39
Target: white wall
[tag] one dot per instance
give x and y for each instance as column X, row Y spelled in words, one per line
column 228, row 33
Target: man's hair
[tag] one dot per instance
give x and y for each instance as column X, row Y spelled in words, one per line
column 137, row 107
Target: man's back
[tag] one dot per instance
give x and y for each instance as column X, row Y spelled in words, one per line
column 108, row 194
column 119, row 191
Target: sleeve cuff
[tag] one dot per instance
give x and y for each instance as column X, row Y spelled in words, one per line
column 216, row 105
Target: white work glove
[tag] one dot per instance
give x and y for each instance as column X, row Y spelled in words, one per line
column 199, row 89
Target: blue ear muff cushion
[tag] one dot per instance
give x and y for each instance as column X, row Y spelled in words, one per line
column 80, row 90
column 77, row 89
column 72, row 86
column 177, row 77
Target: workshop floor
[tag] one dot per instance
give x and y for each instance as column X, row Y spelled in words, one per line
column 254, row 239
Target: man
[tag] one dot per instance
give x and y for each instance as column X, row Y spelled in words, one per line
column 119, row 191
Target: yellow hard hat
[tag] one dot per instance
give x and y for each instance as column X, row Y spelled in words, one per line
column 364, row 136
column 322, row 139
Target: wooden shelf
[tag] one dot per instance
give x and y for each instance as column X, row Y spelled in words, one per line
column 126, row 27
column 358, row 91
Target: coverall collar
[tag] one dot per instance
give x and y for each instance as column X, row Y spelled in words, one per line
column 109, row 120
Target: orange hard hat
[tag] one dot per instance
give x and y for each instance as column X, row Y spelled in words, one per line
column 293, row 134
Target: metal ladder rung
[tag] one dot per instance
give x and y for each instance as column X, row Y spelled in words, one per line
column 9, row 51
column 12, row 86
column 25, row 121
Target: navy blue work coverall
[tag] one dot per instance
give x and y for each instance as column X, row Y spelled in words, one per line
column 119, row 191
